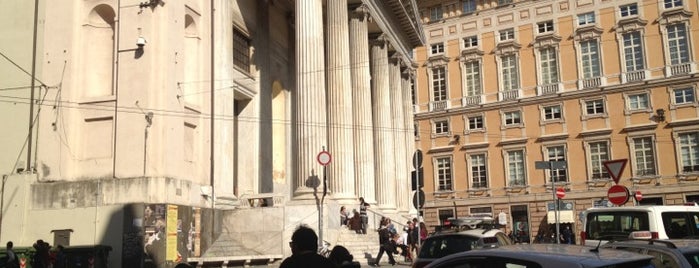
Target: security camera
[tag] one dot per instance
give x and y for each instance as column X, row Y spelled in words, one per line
column 140, row 42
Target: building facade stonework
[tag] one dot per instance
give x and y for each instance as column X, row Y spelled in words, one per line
column 171, row 127
column 502, row 85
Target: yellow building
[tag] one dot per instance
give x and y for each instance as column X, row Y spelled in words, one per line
column 502, row 85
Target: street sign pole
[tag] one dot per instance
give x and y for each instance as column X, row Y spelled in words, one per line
column 551, row 165
column 417, row 163
column 324, row 159
column 555, row 204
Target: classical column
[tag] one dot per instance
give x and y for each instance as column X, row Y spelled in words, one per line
column 361, row 110
column 383, row 137
column 310, row 103
column 398, row 139
column 340, row 137
column 408, row 128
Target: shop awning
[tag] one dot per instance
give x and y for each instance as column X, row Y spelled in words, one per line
column 564, row 216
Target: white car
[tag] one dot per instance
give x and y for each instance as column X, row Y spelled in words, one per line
column 601, row 225
column 544, row 256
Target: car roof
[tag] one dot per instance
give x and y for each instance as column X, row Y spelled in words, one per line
column 681, row 245
column 478, row 232
column 554, row 255
column 645, row 208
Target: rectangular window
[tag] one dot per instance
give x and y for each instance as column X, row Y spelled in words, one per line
column 594, row 107
column 507, row 34
column 473, row 78
column 241, row 50
column 552, row 112
column 557, row 153
column 439, row 86
column 677, row 44
column 469, row 6
column 513, row 118
column 441, row 127
column 590, row 58
column 599, row 153
column 644, row 154
column 549, row 66
column 471, row 41
column 479, row 175
column 444, row 173
column 545, row 27
column 633, row 51
column 689, row 151
column 638, row 101
column 436, row 13
column 504, row 2
column 475, row 122
column 586, row 19
column 515, row 168
column 628, row 10
column 437, row 48
column 510, row 77
column 684, row 95
column 672, row 3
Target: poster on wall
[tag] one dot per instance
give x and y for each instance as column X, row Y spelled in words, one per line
column 154, row 223
column 173, row 225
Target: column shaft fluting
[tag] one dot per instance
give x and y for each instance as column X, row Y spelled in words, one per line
column 398, row 140
column 311, row 124
column 361, row 110
column 340, row 137
column 383, row 139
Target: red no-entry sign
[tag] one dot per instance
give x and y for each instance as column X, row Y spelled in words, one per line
column 560, row 192
column 618, row 194
column 638, row 196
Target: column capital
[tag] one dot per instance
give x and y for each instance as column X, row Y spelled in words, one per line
column 359, row 12
column 378, row 40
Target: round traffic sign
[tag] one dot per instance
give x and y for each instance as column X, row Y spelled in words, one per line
column 419, row 199
column 417, row 159
column 324, row 158
column 638, row 196
column 560, row 192
column 618, row 194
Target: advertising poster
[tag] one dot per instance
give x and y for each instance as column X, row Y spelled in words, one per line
column 173, row 225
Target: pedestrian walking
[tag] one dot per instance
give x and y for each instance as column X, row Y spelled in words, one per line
column 385, row 244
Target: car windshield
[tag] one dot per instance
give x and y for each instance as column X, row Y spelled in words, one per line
column 442, row 245
column 693, row 258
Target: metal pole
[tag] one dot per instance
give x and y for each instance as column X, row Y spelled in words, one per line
column 417, row 198
column 555, row 204
column 31, row 97
column 322, row 200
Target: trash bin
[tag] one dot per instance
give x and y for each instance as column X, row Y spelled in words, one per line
column 96, row 256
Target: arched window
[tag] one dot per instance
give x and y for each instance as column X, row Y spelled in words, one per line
column 98, row 48
column 192, row 68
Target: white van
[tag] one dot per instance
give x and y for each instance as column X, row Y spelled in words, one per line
column 616, row 223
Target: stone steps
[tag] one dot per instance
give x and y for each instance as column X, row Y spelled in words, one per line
column 361, row 246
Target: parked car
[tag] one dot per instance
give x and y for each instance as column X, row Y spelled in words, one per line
column 666, row 253
column 544, row 256
column 463, row 235
column 601, row 225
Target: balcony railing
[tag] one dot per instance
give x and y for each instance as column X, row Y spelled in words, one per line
column 683, row 68
column 509, row 95
column 471, row 100
column 480, row 184
column 591, row 82
column 548, row 89
column 687, row 169
column 438, row 106
column 635, row 76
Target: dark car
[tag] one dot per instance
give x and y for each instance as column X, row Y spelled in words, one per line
column 545, row 256
column 451, row 242
column 667, row 253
